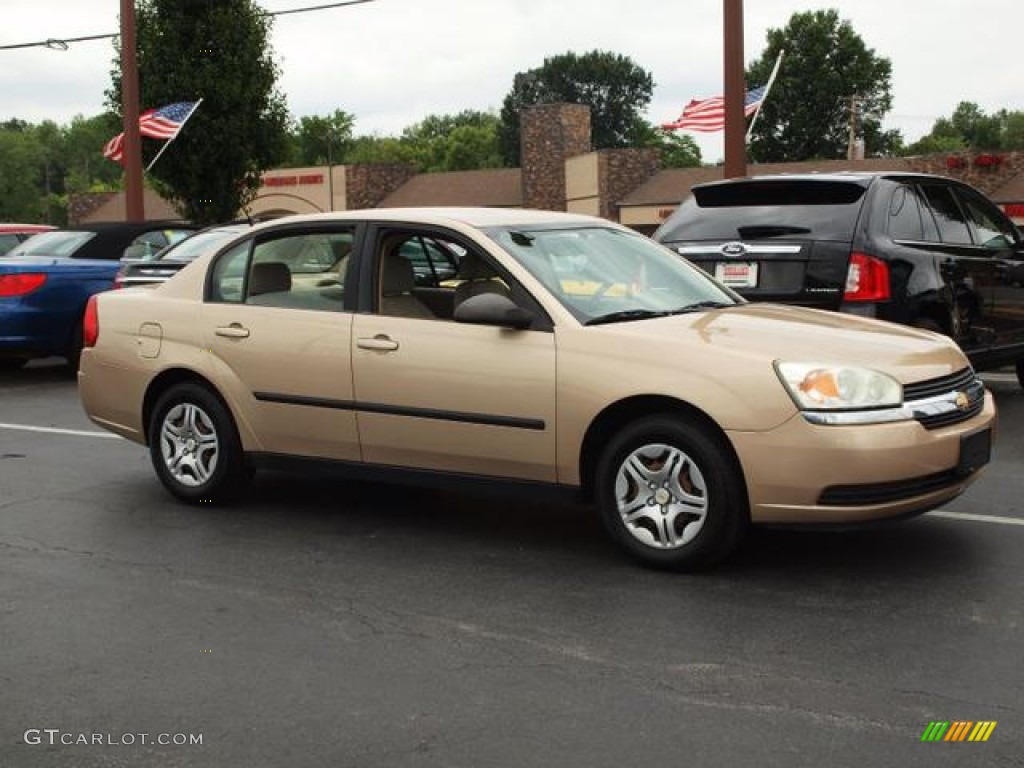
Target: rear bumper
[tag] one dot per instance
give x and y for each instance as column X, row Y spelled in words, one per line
column 807, row 474
column 28, row 331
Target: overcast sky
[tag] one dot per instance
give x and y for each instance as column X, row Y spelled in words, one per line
column 392, row 62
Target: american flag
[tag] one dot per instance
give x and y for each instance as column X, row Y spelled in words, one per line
column 708, row 115
column 114, row 149
column 163, row 123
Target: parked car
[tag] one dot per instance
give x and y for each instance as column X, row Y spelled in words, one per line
column 572, row 354
column 143, row 266
column 45, row 282
column 12, row 235
column 916, row 249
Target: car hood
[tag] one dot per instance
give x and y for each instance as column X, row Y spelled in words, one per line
column 769, row 332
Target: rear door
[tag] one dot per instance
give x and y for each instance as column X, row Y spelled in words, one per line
column 998, row 241
column 966, row 266
column 785, row 240
column 277, row 327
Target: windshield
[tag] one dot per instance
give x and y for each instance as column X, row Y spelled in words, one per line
column 52, row 244
column 192, row 247
column 604, row 273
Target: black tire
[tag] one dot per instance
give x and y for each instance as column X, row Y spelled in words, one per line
column 199, row 480
column 1020, row 372
column 689, row 447
column 12, row 363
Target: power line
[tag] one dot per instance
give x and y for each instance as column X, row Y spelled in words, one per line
column 61, row 43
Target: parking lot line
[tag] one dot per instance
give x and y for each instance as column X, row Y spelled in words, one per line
column 59, row 431
column 998, row 519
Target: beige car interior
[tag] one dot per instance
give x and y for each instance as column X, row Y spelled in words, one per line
column 433, row 299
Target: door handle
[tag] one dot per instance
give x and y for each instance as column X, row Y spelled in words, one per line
column 233, row 331
column 380, row 342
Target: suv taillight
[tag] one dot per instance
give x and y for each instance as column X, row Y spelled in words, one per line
column 90, row 324
column 867, row 279
column 20, row 284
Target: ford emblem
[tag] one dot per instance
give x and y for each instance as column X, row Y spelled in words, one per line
column 734, row 249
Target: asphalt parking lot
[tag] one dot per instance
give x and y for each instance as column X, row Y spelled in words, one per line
column 334, row 623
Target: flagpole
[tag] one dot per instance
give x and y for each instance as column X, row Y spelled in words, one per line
column 168, row 142
column 767, row 89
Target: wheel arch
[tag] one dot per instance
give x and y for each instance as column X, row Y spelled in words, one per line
column 617, row 415
column 170, row 378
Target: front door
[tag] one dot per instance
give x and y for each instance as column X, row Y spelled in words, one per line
column 439, row 395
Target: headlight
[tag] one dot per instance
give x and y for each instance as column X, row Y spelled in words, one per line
column 837, row 387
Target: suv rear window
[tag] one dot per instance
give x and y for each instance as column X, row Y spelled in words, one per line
column 791, row 209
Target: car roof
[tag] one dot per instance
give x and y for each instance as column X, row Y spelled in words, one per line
column 111, row 238
column 474, row 217
column 863, row 178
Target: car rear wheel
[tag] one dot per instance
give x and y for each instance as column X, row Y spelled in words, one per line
column 669, row 494
column 194, row 445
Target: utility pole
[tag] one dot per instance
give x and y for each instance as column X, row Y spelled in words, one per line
column 130, row 108
column 851, row 143
column 735, row 91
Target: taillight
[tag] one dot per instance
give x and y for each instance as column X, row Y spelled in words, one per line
column 20, row 284
column 90, row 324
column 867, row 279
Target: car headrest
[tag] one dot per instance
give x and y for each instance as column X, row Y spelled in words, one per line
column 269, row 277
column 397, row 275
column 472, row 267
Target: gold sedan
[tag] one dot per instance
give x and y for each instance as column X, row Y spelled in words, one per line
column 559, row 351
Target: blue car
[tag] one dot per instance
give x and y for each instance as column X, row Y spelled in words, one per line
column 46, row 281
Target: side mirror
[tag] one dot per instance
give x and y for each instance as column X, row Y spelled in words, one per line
column 493, row 309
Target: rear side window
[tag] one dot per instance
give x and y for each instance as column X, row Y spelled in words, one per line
column 905, row 220
column 991, row 228
column 787, row 209
column 948, row 216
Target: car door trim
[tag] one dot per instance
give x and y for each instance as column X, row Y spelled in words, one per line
column 490, row 420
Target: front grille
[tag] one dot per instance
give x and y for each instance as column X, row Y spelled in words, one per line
column 934, row 417
column 955, row 381
column 884, row 493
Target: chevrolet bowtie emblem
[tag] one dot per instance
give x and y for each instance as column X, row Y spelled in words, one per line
column 963, row 402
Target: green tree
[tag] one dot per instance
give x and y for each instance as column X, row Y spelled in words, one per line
column 21, row 159
column 971, row 128
column 85, row 168
column 827, row 69
column 1013, row 130
column 321, row 140
column 616, row 89
column 380, row 149
column 217, row 50
column 456, row 142
column 677, row 149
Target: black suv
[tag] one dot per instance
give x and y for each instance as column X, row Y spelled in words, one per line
column 915, row 249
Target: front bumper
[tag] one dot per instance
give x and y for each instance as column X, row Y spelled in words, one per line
column 811, row 474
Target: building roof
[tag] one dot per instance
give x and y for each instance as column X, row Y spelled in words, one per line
column 673, row 185
column 494, row 187
column 1010, row 192
column 115, row 208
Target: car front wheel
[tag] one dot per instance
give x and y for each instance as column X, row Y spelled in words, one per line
column 194, row 445
column 670, row 495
